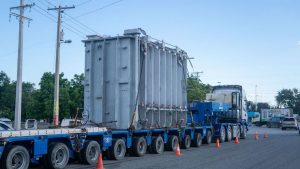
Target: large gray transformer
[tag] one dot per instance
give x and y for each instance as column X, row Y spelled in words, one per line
column 134, row 74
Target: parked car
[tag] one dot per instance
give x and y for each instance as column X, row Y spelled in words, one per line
column 4, row 126
column 275, row 122
column 289, row 122
column 70, row 123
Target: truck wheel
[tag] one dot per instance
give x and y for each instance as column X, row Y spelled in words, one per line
column 238, row 132
column 157, row 145
column 139, row 146
column 222, row 134
column 90, row 152
column 172, row 143
column 58, row 156
column 15, row 157
column 228, row 134
column 283, row 128
column 197, row 140
column 207, row 139
column 186, row 142
column 243, row 134
column 118, row 150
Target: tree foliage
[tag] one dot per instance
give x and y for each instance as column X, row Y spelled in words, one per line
column 289, row 98
column 38, row 103
column 196, row 89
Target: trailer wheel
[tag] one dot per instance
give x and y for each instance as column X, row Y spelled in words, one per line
column 243, row 132
column 118, row 150
column 222, row 134
column 197, row 142
column 207, row 139
column 172, row 143
column 157, row 145
column 238, row 132
column 229, row 134
column 15, row 157
column 58, row 156
column 139, row 146
column 186, row 142
column 90, row 152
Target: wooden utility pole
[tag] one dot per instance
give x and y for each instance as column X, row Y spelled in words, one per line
column 59, row 40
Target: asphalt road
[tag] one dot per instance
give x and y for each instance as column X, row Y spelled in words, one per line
column 281, row 150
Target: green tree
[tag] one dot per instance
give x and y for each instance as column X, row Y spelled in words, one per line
column 262, row 105
column 43, row 98
column 289, row 98
column 196, row 90
column 76, row 94
column 251, row 107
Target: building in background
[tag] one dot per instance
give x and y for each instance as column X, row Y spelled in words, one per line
column 267, row 114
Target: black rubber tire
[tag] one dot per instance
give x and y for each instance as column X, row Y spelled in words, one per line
column 157, row 145
column 171, row 145
column 139, row 146
column 222, row 137
column 90, row 152
column 197, row 142
column 283, row 128
column 186, row 142
column 229, row 134
column 8, row 156
column 51, row 161
column 208, row 138
column 117, row 151
column 243, row 134
column 238, row 132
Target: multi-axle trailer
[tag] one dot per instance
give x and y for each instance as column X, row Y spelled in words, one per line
column 54, row 147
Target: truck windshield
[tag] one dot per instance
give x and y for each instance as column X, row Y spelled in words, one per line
column 289, row 119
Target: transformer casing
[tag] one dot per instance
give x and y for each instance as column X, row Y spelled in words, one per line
column 134, row 73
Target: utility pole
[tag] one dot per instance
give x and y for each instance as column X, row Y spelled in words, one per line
column 18, row 104
column 197, row 74
column 59, row 40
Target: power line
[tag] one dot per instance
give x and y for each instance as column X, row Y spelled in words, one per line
column 98, row 9
column 83, row 3
column 53, row 18
column 83, row 26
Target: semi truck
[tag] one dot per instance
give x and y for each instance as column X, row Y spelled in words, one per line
column 223, row 110
column 135, row 101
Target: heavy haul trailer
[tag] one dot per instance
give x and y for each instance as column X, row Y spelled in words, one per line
column 134, row 92
column 223, row 110
column 136, row 86
column 53, row 147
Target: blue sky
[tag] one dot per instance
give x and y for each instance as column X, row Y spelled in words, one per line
column 234, row 41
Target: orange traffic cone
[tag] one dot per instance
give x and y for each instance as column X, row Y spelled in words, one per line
column 265, row 135
column 256, row 136
column 218, row 143
column 100, row 162
column 178, row 153
column 236, row 140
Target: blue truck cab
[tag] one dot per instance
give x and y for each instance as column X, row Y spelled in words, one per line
column 223, row 110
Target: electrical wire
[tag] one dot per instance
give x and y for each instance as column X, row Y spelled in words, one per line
column 98, row 9
column 83, row 3
column 52, row 18
column 83, row 26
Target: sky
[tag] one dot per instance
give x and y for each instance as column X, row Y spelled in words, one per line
column 251, row 43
